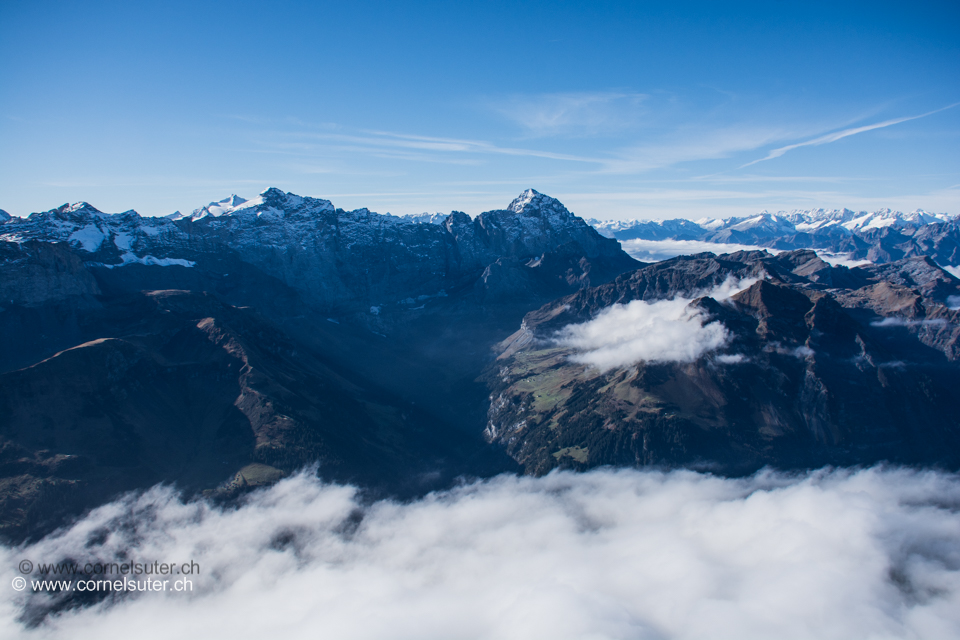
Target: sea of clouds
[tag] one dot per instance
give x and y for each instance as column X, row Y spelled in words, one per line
column 872, row 553
column 657, row 250
column 658, row 331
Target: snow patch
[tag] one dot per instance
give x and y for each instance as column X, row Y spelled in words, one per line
column 89, row 237
column 123, row 241
column 150, row 261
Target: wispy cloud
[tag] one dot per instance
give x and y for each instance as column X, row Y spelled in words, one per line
column 687, row 158
column 839, row 135
column 584, row 113
column 688, row 144
column 386, row 142
column 470, row 146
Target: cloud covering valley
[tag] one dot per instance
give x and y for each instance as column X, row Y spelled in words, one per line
column 868, row 553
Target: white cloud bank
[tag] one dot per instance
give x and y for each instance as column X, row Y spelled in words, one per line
column 657, row 250
column 607, row 554
column 639, row 331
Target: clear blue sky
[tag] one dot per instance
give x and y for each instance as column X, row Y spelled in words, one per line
column 620, row 109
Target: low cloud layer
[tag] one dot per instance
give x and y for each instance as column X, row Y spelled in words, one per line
column 657, row 250
column 901, row 322
column 607, row 554
column 639, row 331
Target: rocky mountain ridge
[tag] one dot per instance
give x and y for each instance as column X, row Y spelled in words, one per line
column 252, row 338
column 341, row 260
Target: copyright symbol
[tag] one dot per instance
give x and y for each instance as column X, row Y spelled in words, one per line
column 26, row 566
column 19, row 583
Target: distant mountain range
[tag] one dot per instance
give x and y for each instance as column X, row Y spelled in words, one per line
column 223, row 349
column 880, row 236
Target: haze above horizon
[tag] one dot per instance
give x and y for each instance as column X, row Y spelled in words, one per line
column 617, row 109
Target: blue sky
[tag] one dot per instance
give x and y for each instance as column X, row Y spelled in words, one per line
column 619, row 109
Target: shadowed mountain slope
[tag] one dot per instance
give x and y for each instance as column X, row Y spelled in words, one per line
column 276, row 332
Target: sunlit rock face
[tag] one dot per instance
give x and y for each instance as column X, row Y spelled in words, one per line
column 733, row 362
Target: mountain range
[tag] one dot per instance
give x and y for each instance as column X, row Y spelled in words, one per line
column 274, row 332
column 879, row 236
column 226, row 348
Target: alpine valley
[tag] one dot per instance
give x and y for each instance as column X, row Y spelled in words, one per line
column 224, row 349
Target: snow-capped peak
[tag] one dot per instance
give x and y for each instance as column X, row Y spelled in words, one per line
column 827, row 225
column 888, row 218
column 764, row 220
column 534, row 203
column 77, row 210
column 78, row 206
column 215, row 209
column 523, row 200
column 710, row 224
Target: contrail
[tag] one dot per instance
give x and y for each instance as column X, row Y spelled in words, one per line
column 833, row 137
